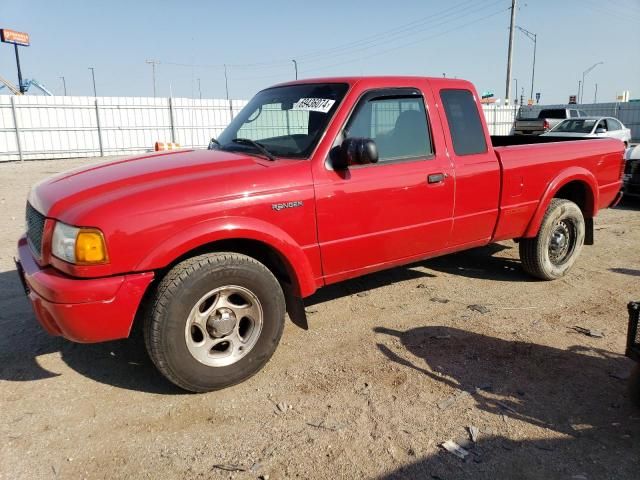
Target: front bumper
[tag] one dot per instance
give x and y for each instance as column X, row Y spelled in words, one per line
column 81, row 310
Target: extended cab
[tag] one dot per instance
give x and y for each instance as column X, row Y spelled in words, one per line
column 314, row 182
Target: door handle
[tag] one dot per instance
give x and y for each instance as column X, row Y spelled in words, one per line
column 436, row 177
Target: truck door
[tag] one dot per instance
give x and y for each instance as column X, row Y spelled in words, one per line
column 477, row 171
column 374, row 215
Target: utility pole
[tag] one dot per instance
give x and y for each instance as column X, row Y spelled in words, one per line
column 584, row 74
column 93, row 77
column 64, row 85
column 295, row 66
column 153, row 64
column 199, row 89
column 510, row 54
column 534, row 38
column 226, row 81
column 579, row 89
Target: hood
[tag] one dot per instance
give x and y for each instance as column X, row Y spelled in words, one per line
column 118, row 181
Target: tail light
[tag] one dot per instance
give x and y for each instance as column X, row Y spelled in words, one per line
column 545, row 125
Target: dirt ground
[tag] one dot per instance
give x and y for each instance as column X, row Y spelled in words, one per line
column 393, row 365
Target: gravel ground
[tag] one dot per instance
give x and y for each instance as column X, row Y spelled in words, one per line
column 393, row 365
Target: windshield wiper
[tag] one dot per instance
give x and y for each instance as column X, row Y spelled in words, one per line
column 256, row 145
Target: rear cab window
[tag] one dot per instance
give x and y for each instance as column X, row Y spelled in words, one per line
column 558, row 113
column 467, row 132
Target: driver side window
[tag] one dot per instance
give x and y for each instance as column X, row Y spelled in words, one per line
column 398, row 125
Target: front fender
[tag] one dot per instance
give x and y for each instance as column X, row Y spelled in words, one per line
column 564, row 177
column 240, row 228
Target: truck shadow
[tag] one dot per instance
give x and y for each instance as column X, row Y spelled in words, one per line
column 24, row 345
column 125, row 364
column 479, row 263
column 575, row 395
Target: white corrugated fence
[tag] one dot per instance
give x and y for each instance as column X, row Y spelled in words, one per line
column 38, row 127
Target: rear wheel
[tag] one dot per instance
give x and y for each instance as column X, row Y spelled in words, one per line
column 555, row 249
column 216, row 319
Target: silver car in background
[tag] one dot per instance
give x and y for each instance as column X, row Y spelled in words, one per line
column 591, row 127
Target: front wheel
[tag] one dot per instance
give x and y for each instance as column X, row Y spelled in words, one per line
column 554, row 250
column 216, row 319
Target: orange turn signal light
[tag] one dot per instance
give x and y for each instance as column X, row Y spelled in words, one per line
column 90, row 247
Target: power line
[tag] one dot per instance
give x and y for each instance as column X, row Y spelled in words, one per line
column 402, row 31
column 383, row 52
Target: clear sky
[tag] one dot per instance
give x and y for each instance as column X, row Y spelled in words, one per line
column 258, row 39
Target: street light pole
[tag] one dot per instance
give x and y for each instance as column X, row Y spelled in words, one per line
column 199, row 89
column 510, row 54
column 534, row 38
column 153, row 64
column 516, row 96
column 93, row 77
column 295, row 66
column 584, row 74
column 64, row 85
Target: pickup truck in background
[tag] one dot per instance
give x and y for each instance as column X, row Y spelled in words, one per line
column 545, row 121
column 313, row 182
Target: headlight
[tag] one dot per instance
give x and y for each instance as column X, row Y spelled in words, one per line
column 80, row 246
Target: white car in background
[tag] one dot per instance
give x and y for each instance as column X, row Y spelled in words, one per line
column 591, row 127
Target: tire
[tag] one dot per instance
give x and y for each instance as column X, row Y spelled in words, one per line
column 546, row 256
column 634, row 386
column 214, row 321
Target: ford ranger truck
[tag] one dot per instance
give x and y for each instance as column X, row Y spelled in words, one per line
column 312, row 183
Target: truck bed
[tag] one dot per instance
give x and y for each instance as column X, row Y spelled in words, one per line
column 530, row 166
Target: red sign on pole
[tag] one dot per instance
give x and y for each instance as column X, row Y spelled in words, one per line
column 17, row 38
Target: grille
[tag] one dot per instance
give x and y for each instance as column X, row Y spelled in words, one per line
column 633, row 334
column 35, row 227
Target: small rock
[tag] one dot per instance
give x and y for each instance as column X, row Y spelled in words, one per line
column 473, row 433
column 282, row 407
column 452, row 447
column 447, row 402
column 421, row 285
column 311, row 310
column 439, row 300
column 478, row 308
column 589, row 332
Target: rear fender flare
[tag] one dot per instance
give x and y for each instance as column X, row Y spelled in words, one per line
column 568, row 175
column 236, row 228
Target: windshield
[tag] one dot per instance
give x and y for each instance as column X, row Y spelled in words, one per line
column 575, row 126
column 285, row 121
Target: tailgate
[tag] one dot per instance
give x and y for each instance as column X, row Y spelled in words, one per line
column 529, row 124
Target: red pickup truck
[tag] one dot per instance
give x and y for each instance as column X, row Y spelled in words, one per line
column 314, row 182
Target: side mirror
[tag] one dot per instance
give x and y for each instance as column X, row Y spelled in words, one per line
column 600, row 130
column 354, row 151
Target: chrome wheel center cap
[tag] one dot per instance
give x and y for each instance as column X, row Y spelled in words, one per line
column 222, row 322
